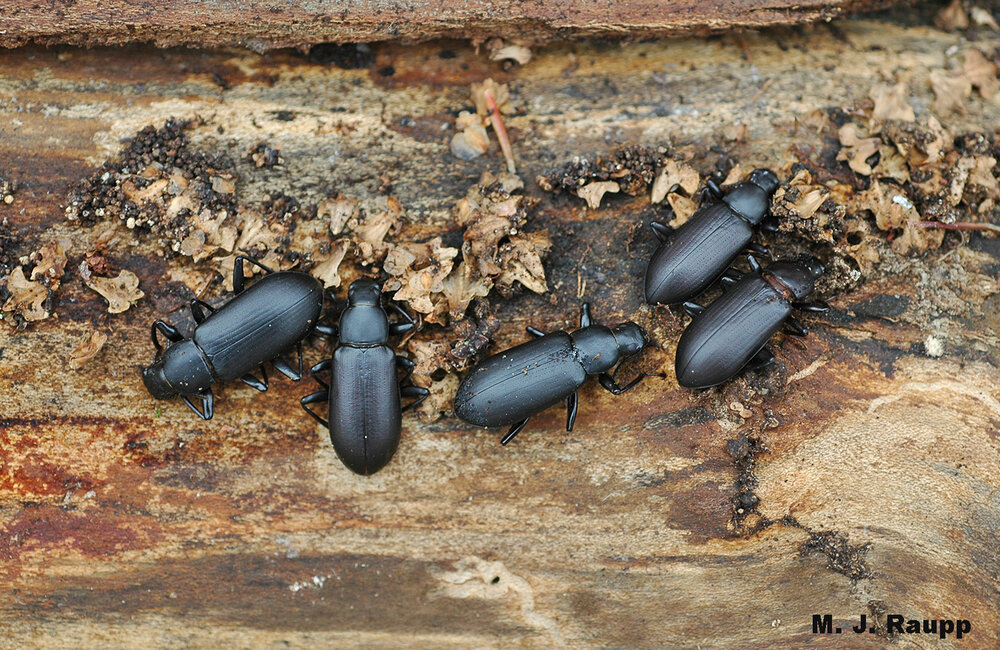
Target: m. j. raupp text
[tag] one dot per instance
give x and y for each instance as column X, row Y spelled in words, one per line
column 896, row 624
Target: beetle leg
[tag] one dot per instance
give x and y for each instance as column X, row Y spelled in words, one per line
column 661, row 230
column 585, row 318
column 761, row 359
column 207, row 404
column 327, row 330
column 534, row 331
column 692, row 308
column 407, row 364
column 817, row 307
column 314, row 398
column 198, row 308
column 284, row 366
column 407, row 324
column 259, row 384
column 795, row 327
column 610, row 385
column 514, row 430
column 322, row 366
column 761, row 249
column 572, row 405
column 238, row 279
column 167, row 330
column 754, row 264
column 769, row 225
column 711, row 189
column 413, row 391
column 730, row 277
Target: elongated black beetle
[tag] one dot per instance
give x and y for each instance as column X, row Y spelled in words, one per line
column 691, row 257
column 731, row 333
column 364, row 392
column 510, row 387
column 263, row 322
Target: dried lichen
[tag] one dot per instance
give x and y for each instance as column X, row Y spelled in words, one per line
column 88, row 349
column 29, row 294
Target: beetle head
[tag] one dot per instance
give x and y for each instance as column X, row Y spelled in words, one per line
column 799, row 275
column 630, row 338
column 751, row 199
column 180, row 370
column 364, row 292
column 156, row 382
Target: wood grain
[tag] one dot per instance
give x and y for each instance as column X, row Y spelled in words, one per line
column 264, row 25
column 125, row 525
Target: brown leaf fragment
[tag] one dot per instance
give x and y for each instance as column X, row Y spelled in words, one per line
column 27, row 298
column 857, row 150
column 672, row 176
column 592, row 193
column 370, row 234
column 121, row 292
column 511, row 51
column 339, row 210
column 981, row 17
column 952, row 17
column 51, row 262
column 683, row 207
column 982, row 74
column 950, row 91
column 460, row 289
column 890, row 104
column 426, row 277
column 471, row 140
column 87, row 350
column 500, row 93
column 734, row 176
column 327, row 267
column 521, row 260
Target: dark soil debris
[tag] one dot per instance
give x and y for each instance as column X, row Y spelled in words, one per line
column 744, row 450
column 841, row 556
column 631, row 169
column 265, row 156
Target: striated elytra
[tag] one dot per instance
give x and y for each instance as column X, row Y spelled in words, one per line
column 262, row 323
column 509, row 387
column 361, row 388
column 732, row 332
column 691, row 257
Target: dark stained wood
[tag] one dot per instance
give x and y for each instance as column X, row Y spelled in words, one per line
column 263, row 25
column 127, row 522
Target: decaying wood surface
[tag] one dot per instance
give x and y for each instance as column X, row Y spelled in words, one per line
column 875, row 457
column 263, row 25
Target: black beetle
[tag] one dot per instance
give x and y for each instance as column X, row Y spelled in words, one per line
column 730, row 334
column 364, row 393
column 268, row 319
column 510, row 387
column 691, row 257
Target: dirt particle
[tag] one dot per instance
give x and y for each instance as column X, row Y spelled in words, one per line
column 842, row 557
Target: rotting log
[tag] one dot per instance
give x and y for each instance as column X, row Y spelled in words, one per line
column 265, row 25
column 124, row 521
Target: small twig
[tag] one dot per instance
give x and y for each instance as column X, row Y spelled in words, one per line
column 960, row 225
column 501, row 130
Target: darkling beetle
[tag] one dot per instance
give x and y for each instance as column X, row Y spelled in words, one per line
column 263, row 322
column 730, row 334
column 510, row 387
column 691, row 257
column 364, row 392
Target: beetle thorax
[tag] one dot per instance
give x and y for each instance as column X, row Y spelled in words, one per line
column 596, row 348
column 364, row 325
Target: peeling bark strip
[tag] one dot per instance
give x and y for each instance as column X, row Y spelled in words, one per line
column 263, row 25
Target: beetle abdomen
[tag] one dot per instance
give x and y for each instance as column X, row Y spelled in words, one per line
column 723, row 338
column 267, row 319
column 365, row 419
column 519, row 382
column 696, row 254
